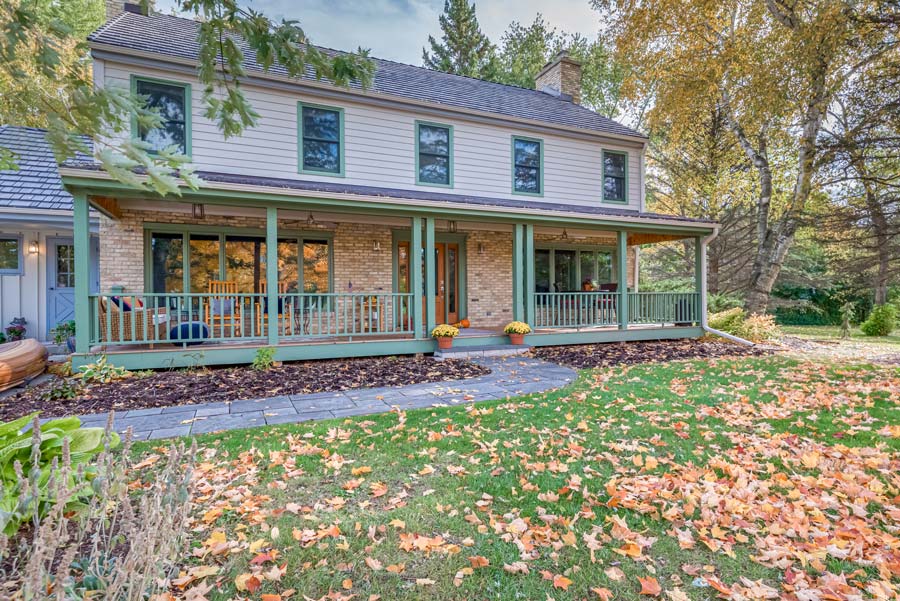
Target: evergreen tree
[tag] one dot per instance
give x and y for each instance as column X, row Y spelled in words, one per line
column 463, row 49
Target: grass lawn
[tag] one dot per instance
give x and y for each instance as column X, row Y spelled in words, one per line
column 834, row 333
column 688, row 480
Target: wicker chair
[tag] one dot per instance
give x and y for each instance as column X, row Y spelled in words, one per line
column 139, row 324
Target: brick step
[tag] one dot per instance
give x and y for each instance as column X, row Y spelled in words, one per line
column 487, row 350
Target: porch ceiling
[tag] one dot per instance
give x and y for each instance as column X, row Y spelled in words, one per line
column 284, row 194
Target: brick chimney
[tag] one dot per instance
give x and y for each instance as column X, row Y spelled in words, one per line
column 114, row 8
column 561, row 77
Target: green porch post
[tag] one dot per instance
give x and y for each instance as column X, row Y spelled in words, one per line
column 415, row 275
column 622, row 257
column 529, row 275
column 430, row 291
column 518, row 273
column 272, row 274
column 700, row 278
column 82, row 240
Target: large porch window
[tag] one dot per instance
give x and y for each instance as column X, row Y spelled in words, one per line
column 304, row 263
column 564, row 269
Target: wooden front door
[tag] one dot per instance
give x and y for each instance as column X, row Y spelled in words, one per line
column 446, row 279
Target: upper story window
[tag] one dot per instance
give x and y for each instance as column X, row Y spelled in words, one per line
column 615, row 176
column 321, row 139
column 434, row 154
column 172, row 101
column 10, row 255
column 528, row 166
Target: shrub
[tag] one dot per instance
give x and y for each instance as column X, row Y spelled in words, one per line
column 62, row 389
column 517, row 327
column 28, row 461
column 119, row 545
column 881, row 322
column 717, row 303
column 102, row 372
column 264, row 359
column 756, row 328
column 729, row 321
column 445, row 331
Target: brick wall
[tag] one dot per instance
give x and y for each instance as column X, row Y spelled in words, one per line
column 489, row 278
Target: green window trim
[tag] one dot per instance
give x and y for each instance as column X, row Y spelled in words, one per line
column 20, row 254
column 187, row 229
column 188, row 108
column 449, row 129
column 340, row 141
column 624, row 155
column 512, row 157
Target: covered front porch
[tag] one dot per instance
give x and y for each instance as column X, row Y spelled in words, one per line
column 214, row 275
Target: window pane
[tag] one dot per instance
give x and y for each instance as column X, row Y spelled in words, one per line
column 321, row 156
column 65, row 266
column 245, row 262
column 169, row 100
column 451, row 279
column 9, row 253
column 321, row 124
column 614, row 188
column 403, row 266
column 315, row 266
column 542, row 271
column 604, row 267
column 434, row 169
column 167, row 268
column 204, row 261
column 564, row 270
column 434, row 140
column 288, row 265
column 528, row 153
column 588, row 267
column 614, row 164
column 527, row 180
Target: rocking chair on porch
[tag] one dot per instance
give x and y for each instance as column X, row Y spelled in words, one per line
column 224, row 307
column 262, row 309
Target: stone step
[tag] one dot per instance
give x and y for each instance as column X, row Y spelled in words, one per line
column 487, row 350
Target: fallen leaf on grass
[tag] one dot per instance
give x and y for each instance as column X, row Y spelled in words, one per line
column 649, row 586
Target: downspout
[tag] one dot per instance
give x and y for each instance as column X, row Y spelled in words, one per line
column 704, row 313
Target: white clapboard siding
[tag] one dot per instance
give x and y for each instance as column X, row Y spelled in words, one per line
column 380, row 146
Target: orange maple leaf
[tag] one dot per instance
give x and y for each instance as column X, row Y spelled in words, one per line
column 649, row 586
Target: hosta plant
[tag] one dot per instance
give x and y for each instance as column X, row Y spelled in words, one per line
column 29, row 462
column 102, row 372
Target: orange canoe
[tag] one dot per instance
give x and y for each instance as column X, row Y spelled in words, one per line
column 20, row 361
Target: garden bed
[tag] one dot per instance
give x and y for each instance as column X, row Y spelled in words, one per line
column 185, row 387
column 629, row 353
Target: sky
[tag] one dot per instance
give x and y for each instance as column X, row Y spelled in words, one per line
column 398, row 29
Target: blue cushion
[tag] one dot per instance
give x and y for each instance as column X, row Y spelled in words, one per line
column 121, row 303
column 222, row 307
column 189, row 332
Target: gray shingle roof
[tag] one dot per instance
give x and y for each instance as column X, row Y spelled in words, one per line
column 177, row 37
column 36, row 184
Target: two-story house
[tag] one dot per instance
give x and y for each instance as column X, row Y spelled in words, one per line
column 350, row 222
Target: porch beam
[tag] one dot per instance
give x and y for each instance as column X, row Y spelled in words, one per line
column 272, row 275
column 415, row 275
column 529, row 275
column 622, row 257
column 430, row 291
column 82, row 242
column 518, row 275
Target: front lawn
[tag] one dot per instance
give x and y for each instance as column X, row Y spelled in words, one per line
column 833, row 333
column 753, row 477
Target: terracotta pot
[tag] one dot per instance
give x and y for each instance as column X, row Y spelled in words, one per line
column 445, row 342
column 517, row 338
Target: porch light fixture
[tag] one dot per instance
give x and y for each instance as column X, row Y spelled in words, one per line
column 198, row 210
column 565, row 235
column 376, row 246
column 310, row 221
column 451, row 227
column 33, row 247
column 481, row 248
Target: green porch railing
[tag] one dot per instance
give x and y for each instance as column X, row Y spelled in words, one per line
column 149, row 319
column 663, row 308
column 575, row 309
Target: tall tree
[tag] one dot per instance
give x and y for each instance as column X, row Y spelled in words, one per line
column 44, row 69
column 774, row 68
column 463, row 49
column 525, row 50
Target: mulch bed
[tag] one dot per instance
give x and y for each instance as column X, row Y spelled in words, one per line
column 183, row 387
column 629, row 353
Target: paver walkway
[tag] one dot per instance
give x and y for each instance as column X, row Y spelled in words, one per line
column 510, row 376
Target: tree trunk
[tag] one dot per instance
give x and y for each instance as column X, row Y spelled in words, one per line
column 767, row 266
